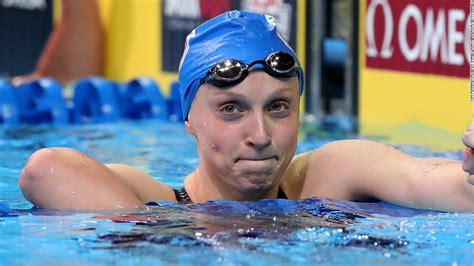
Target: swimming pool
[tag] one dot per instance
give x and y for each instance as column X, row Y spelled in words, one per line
column 223, row 233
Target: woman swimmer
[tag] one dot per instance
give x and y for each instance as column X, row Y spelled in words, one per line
column 240, row 88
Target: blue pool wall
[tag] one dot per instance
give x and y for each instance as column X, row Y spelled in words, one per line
column 94, row 100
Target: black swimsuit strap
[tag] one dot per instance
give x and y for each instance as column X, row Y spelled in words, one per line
column 183, row 198
column 281, row 194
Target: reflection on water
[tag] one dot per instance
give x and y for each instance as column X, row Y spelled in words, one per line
column 246, row 224
column 243, row 225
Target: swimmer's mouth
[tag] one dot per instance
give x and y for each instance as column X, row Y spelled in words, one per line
column 257, row 159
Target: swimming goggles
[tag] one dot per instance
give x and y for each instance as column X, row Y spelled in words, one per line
column 230, row 72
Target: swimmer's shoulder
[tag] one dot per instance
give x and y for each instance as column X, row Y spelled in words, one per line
column 143, row 185
column 308, row 173
column 294, row 177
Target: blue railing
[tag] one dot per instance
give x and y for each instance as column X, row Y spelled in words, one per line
column 94, row 100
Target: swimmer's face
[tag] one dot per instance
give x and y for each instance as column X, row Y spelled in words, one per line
column 246, row 134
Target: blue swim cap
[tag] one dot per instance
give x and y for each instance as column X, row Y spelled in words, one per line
column 239, row 35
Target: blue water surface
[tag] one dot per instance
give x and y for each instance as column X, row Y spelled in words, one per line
column 269, row 232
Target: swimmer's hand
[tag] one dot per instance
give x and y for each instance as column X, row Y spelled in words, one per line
column 468, row 153
column 19, row 80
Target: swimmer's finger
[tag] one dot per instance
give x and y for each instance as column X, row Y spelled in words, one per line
column 468, row 138
column 468, row 162
column 470, row 179
column 468, row 153
column 18, row 80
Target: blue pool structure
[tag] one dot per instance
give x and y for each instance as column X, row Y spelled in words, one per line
column 94, row 100
column 267, row 232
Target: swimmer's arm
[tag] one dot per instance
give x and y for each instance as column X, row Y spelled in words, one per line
column 64, row 178
column 361, row 170
column 144, row 186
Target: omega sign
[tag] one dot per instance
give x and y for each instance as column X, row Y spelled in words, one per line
column 418, row 36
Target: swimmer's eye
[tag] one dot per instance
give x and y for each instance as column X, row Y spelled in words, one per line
column 230, row 109
column 279, row 108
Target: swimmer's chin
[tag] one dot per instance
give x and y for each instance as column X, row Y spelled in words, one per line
column 257, row 181
column 257, row 190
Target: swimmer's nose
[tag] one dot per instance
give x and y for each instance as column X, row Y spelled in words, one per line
column 259, row 136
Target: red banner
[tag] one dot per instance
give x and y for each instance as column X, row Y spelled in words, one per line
column 418, row 36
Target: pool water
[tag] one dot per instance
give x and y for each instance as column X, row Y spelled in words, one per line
column 269, row 232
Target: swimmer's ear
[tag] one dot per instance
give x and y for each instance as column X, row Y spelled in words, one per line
column 189, row 127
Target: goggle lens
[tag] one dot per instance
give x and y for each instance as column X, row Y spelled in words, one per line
column 228, row 69
column 281, row 62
